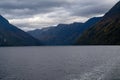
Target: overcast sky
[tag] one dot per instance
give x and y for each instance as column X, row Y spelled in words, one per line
column 31, row 14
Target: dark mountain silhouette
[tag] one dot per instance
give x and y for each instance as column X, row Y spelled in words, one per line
column 62, row 34
column 106, row 31
column 12, row 36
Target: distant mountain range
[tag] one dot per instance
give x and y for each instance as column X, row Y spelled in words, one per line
column 105, row 32
column 63, row 34
column 96, row 31
column 12, row 36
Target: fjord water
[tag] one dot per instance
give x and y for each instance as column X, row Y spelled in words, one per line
column 60, row 63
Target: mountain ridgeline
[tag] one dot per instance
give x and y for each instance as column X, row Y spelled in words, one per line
column 96, row 31
column 12, row 36
column 63, row 34
column 105, row 32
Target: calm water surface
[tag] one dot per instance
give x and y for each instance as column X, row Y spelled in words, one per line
column 60, row 63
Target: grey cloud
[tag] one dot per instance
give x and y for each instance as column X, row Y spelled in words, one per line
column 90, row 8
column 89, row 11
column 32, row 7
column 25, row 8
column 30, row 4
column 65, row 9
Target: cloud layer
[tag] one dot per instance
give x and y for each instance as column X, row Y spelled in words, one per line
column 31, row 14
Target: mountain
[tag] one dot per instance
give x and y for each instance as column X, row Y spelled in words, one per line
column 105, row 32
column 12, row 36
column 62, row 34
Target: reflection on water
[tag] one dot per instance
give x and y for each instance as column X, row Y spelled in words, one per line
column 60, row 63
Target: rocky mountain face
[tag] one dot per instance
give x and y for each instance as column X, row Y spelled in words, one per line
column 12, row 36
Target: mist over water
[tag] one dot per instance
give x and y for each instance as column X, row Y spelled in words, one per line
column 60, row 63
